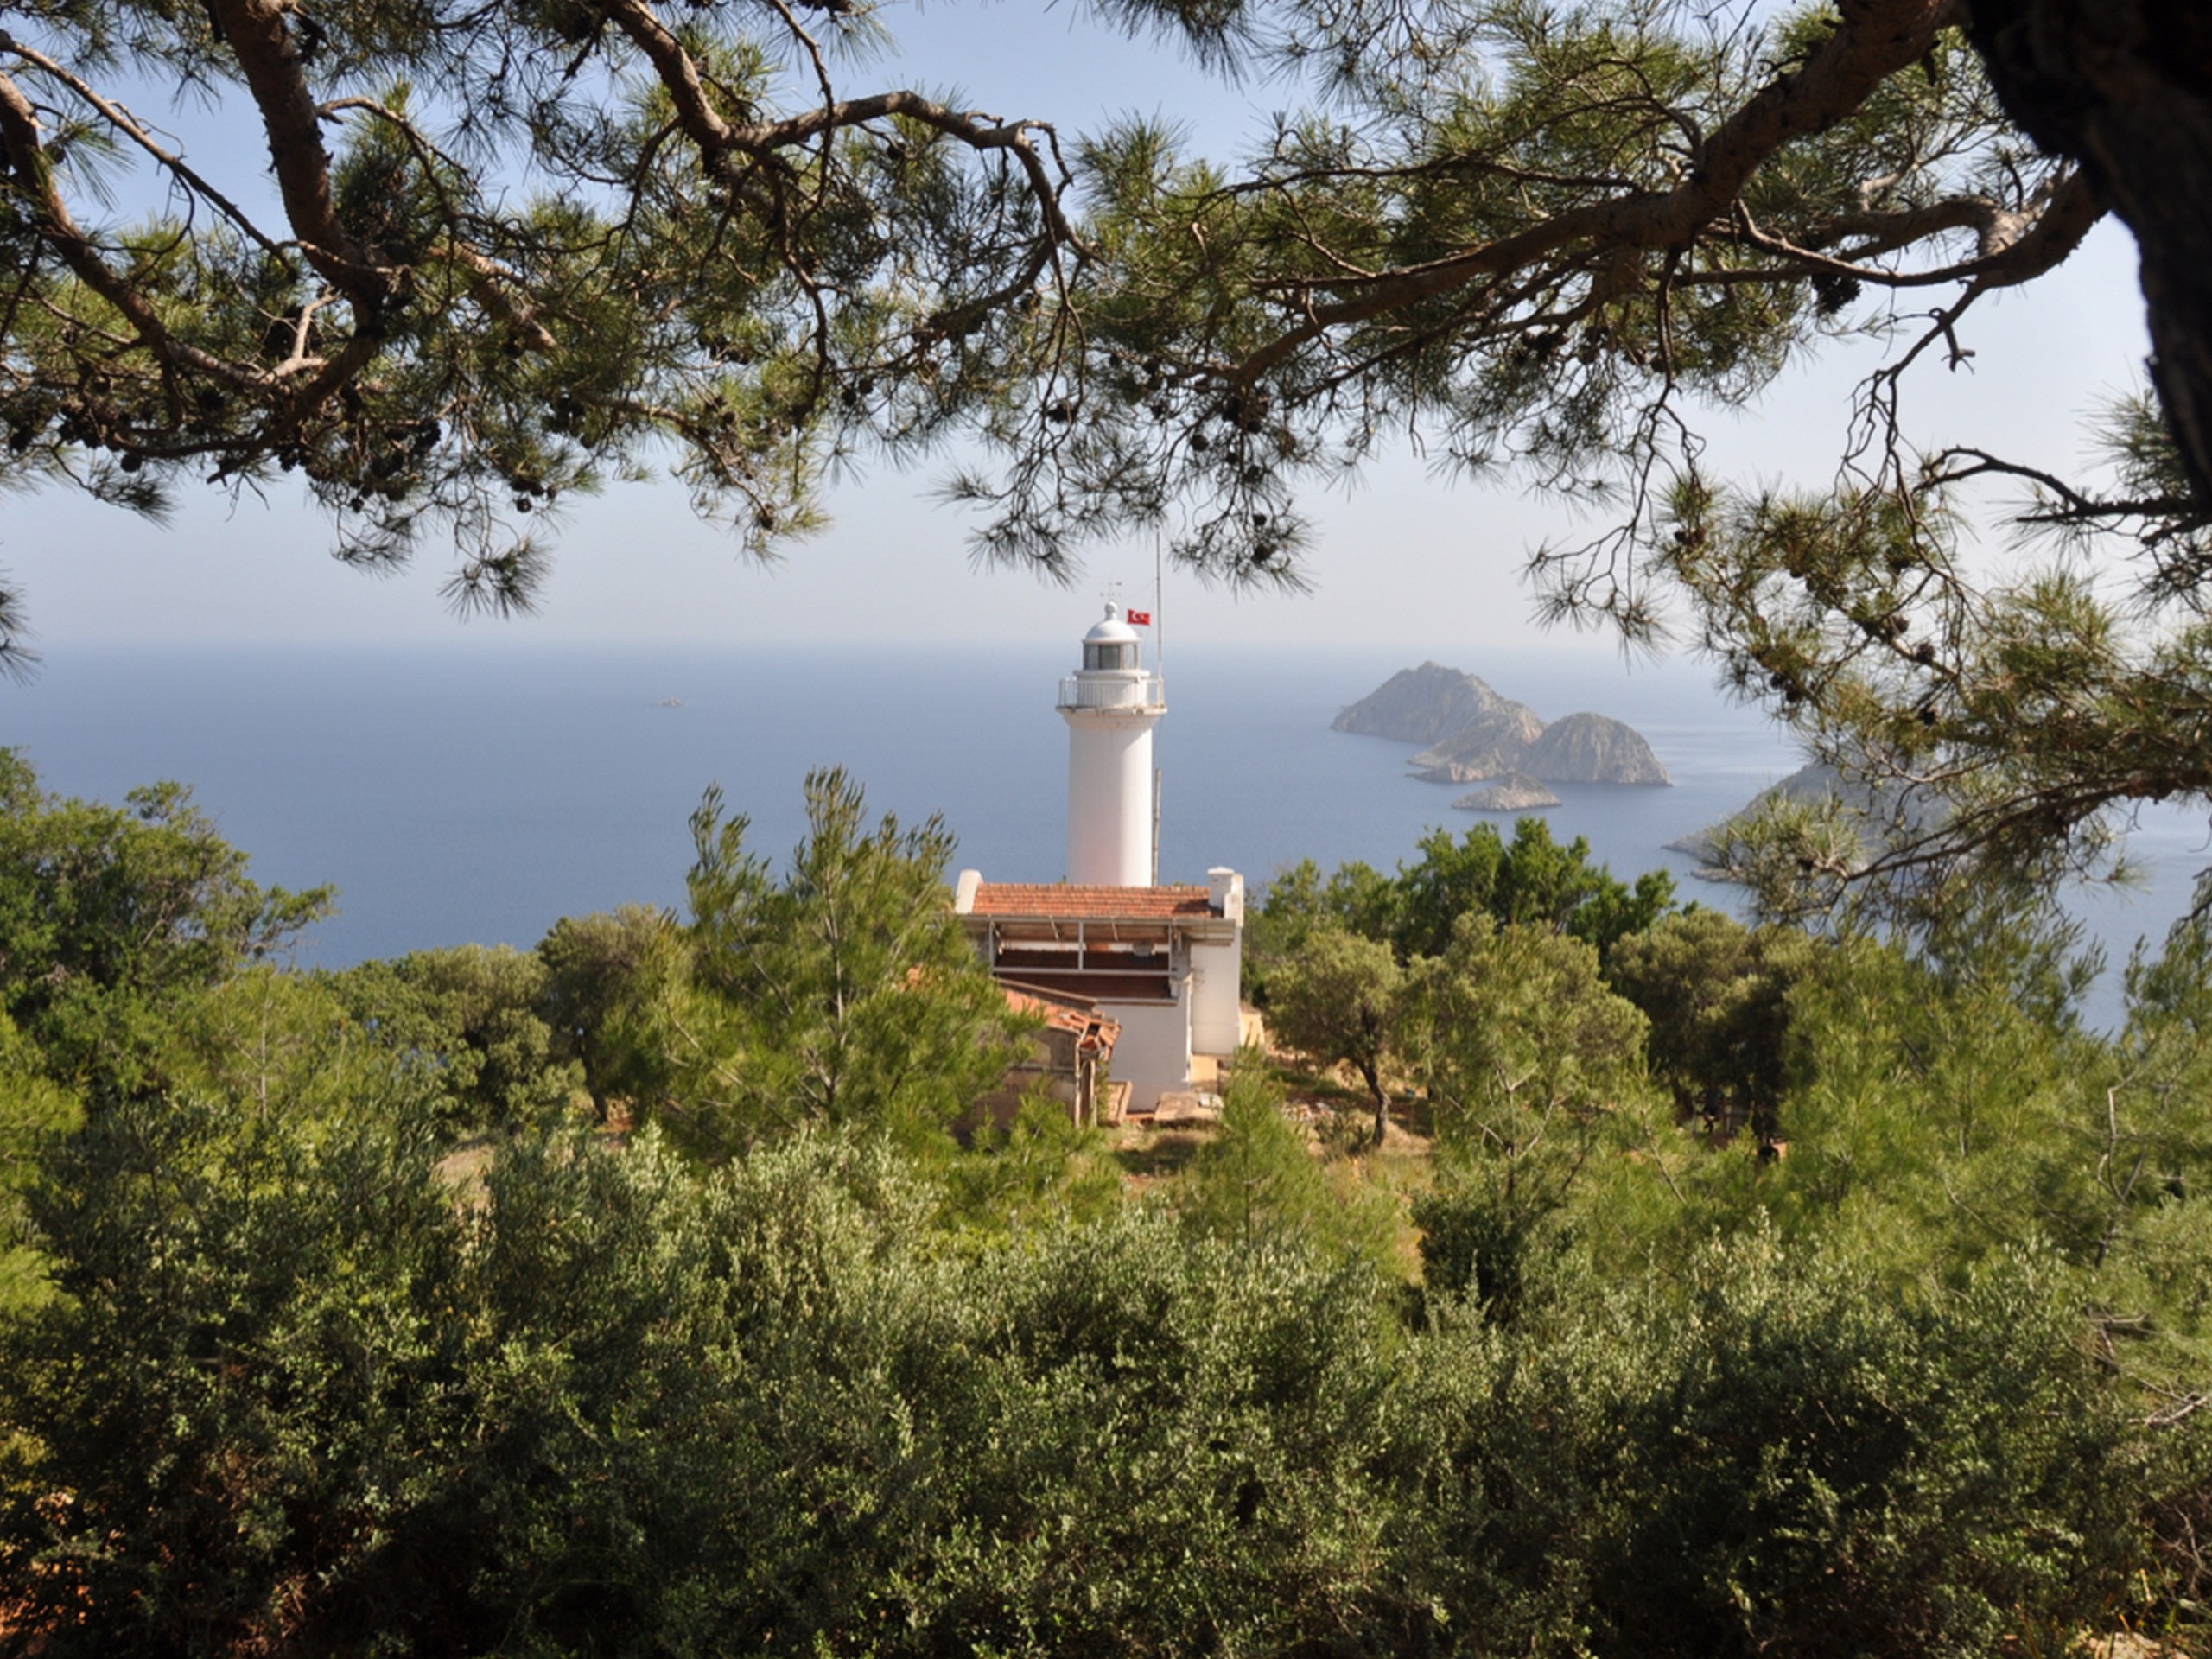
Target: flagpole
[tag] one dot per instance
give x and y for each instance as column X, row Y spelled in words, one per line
column 1159, row 633
column 1159, row 669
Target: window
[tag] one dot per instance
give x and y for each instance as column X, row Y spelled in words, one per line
column 1112, row 654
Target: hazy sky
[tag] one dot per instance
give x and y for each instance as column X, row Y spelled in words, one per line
column 1405, row 559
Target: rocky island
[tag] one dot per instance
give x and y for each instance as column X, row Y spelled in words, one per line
column 1876, row 813
column 1516, row 791
column 1474, row 734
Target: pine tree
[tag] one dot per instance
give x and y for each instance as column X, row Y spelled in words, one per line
column 843, row 993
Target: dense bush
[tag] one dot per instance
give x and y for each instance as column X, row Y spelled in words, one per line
column 1786, row 1463
column 303, row 1392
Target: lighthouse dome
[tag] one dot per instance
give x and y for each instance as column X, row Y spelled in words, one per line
column 1112, row 629
column 1111, row 646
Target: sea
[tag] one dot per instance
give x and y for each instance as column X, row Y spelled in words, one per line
column 472, row 792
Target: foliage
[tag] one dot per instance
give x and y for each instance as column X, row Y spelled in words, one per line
column 1543, row 235
column 605, row 974
column 235, row 1402
column 31, row 1112
column 1531, row 883
column 1717, row 995
column 469, row 1017
column 1787, row 1459
column 278, row 1370
column 1040, row 1170
column 1937, row 1118
column 1257, row 1183
column 105, row 911
column 1257, row 1178
column 1990, row 730
column 1538, row 231
column 1518, row 1037
column 1526, row 1059
column 627, row 1403
column 707, row 264
column 1532, row 880
column 1476, row 1245
column 1932, row 1126
column 1355, row 897
column 1881, row 1440
column 271, row 1038
column 301, row 1393
column 845, row 993
column 1341, row 1001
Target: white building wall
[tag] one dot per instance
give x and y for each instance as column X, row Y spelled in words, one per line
column 1153, row 1054
column 1216, row 972
column 1215, row 1003
column 1109, row 798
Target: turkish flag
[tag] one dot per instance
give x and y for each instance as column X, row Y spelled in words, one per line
column 1138, row 619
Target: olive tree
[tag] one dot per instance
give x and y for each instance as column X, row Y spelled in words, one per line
column 1342, row 1001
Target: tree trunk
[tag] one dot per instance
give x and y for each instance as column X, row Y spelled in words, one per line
column 1381, row 1106
column 2125, row 88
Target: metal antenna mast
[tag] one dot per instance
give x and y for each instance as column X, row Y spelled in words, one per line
column 1159, row 635
column 1159, row 669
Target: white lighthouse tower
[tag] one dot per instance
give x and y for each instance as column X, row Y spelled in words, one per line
column 1111, row 705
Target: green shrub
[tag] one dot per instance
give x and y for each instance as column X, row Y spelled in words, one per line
column 1787, row 1460
column 300, row 1391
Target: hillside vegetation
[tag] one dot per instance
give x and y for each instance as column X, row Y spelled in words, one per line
column 1735, row 1291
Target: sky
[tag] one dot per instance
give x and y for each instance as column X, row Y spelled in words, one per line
column 1405, row 558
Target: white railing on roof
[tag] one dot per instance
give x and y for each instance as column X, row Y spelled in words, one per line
column 1085, row 691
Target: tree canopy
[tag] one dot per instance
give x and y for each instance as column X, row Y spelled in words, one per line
column 1538, row 227
column 1531, row 880
column 105, row 911
column 509, row 251
column 506, row 253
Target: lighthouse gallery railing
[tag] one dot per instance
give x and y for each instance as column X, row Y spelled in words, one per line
column 1145, row 692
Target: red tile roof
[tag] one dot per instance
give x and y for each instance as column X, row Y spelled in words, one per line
column 1068, row 1013
column 1061, row 902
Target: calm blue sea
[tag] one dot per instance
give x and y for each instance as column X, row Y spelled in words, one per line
column 478, row 792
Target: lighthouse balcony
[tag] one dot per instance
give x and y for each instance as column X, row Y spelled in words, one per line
column 1113, row 690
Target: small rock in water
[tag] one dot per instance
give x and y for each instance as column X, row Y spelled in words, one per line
column 1514, row 792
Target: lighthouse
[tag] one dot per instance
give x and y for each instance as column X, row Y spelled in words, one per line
column 1159, row 968
column 1110, row 705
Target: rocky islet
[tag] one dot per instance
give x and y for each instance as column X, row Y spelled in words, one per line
column 1474, row 734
